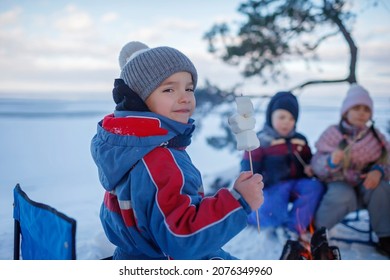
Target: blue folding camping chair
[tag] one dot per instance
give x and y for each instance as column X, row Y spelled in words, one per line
column 367, row 232
column 46, row 234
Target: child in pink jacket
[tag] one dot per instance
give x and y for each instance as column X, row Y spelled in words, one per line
column 353, row 159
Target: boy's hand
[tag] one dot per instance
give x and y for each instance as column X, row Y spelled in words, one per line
column 251, row 188
column 371, row 179
column 308, row 171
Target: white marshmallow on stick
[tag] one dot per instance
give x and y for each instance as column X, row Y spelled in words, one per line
column 242, row 124
column 247, row 140
column 238, row 123
column 244, row 106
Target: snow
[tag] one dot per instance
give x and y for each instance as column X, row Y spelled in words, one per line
column 44, row 146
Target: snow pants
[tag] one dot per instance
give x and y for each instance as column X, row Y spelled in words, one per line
column 303, row 194
column 341, row 199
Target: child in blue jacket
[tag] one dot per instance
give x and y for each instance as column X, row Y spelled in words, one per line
column 283, row 159
column 154, row 206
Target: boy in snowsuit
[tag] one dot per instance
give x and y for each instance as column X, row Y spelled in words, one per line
column 283, row 159
column 154, row 206
column 352, row 158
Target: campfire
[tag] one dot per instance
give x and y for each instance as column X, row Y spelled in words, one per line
column 316, row 249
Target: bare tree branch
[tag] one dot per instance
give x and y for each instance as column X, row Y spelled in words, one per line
column 313, row 82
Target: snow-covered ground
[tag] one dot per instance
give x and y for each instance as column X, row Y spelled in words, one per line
column 44, row 146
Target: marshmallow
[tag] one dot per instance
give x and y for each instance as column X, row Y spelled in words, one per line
column 239, row 123
column 244, row 106
column 247, row 140
column 242, row 124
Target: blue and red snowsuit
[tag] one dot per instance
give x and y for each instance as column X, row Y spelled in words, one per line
column 154, row 206
column 284, row 181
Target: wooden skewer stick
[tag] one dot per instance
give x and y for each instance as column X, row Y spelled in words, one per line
column 257, row 212
column 349, row 146
column 300, row 158
column 354, row 140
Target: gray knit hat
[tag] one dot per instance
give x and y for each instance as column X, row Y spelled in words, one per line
column 143, row 69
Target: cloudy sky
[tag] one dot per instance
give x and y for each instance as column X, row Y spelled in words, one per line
column 69, row 48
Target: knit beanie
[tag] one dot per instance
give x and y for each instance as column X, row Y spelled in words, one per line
column 356, row 95
column 143, row 69
column 282, row 100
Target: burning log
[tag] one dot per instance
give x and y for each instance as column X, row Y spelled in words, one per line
column 293, row 250
column 318, row 249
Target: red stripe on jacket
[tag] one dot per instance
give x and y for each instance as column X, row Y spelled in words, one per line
column 182, row 217
column 111, row 203
column 133, row 125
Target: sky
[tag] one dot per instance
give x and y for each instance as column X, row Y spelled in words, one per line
column 69, row 49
